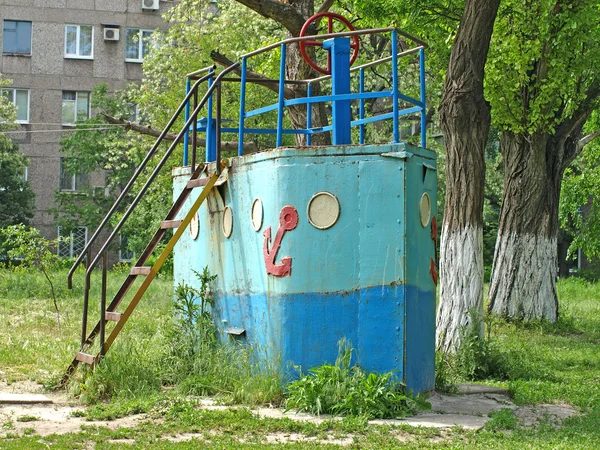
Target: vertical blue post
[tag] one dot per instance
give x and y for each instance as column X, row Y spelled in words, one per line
column 361, row 109
column 281, row 100
column 242, row 109
column 209, row 128
column 339, row 51
column 186, row 136
column 396, row 119
column 423, row 98
column 309, row 114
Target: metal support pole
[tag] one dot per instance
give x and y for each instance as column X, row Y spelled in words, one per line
column 341, row 116
column 242, row 109
column 194, row 133
column 361, row 107
column 423, row 98
column 309, row 114
column 281, row 100
column 86, row 301
column 103, row 303
column 218, row 130
column 396, row 118
column 209, row 117
column 187, row 116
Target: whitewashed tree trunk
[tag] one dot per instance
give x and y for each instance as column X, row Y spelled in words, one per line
column 465, row 122
column 523, row 284
column 461, row 268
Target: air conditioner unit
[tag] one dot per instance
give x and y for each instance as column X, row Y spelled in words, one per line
column 153, row 5
column 111, row 34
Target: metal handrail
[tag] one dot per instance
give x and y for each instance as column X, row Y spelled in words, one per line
column 130, row 183
column 157, row 169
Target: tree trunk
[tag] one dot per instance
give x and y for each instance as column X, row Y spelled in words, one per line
column 523, row 283
column 465, row 122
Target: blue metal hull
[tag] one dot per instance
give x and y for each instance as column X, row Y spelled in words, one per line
column 367, row 278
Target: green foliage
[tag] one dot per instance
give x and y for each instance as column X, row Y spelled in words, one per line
column 35, row 252
column 504, row 419
column 343, row 389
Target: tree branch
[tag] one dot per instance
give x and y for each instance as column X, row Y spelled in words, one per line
column 249, row 147
column 325, row 6
column 223, row 60
column 587, row 139
column 281, row 12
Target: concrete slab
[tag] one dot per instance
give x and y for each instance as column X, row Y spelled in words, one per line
column 434, row 420
column 471, row 388
column 472, row 404
column 22, row 399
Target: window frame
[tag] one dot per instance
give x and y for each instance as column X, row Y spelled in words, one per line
column 75, row 186
column 17, row 53
column 71, row 241
column 140, row 44
column 89, row 108
column 13, row 100
column 76, row 55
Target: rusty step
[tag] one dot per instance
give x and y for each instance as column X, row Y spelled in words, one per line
column 196, row 183
column 166, row 224
column 140, row 270
column 85, row 358
column 112, row 316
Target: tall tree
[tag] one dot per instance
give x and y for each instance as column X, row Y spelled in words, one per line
column 465, row 121
column 544, row 83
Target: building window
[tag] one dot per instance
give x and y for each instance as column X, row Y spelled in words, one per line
column 79, row 41
column 125, row 255
column 16, row 37
column 69, row 181
column 137, row 44
column 73, row 243
column 19, row 98
column 75, row 107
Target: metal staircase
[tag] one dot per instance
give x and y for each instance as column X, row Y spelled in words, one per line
column 214, row 175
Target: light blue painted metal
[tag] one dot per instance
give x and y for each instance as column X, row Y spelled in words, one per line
column 361, row 106
column 242, row 107
column 186, row 136
column 211, row 152
column 341, row 114
column 395, row 88
column 281, row 99
column 365, row 279
column 423, row 98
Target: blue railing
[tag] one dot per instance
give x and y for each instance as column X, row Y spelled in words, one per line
column 415, row 106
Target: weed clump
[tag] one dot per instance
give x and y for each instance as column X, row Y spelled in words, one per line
column 346, row 389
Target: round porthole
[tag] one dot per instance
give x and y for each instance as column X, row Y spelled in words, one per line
column 227, row 221
column 194, row 227
column 257, row 214
column 323, row 210
column 425, row 209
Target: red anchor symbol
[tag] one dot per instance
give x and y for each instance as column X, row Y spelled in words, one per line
column 288, row 219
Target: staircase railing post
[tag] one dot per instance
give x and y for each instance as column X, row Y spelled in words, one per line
column 242, row 108
column 103, row 303
column 281, row 100
column 218, row 129
column 186, row 138
column 194, row 133
column 86, row 299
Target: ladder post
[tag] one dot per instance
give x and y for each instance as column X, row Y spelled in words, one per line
column 186, row 137
column 103, row 303
column 86, row 299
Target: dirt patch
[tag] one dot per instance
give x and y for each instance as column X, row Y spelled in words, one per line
column 531, row 415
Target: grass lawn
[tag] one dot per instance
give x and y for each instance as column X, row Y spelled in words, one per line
column 540, row 364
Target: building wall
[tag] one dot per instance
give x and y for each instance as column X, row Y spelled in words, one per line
column 47, row 73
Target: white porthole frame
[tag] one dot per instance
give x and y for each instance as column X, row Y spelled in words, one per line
column 337, row 217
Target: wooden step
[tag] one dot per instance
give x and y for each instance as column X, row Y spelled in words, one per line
column 85, row 358
column 112, row 316
column 143, row 270
column 166, row 224
column 198, row 182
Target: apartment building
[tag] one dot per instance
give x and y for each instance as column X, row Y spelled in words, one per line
column 56, row 51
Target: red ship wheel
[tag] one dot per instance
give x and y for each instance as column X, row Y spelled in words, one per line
column 331, row 17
